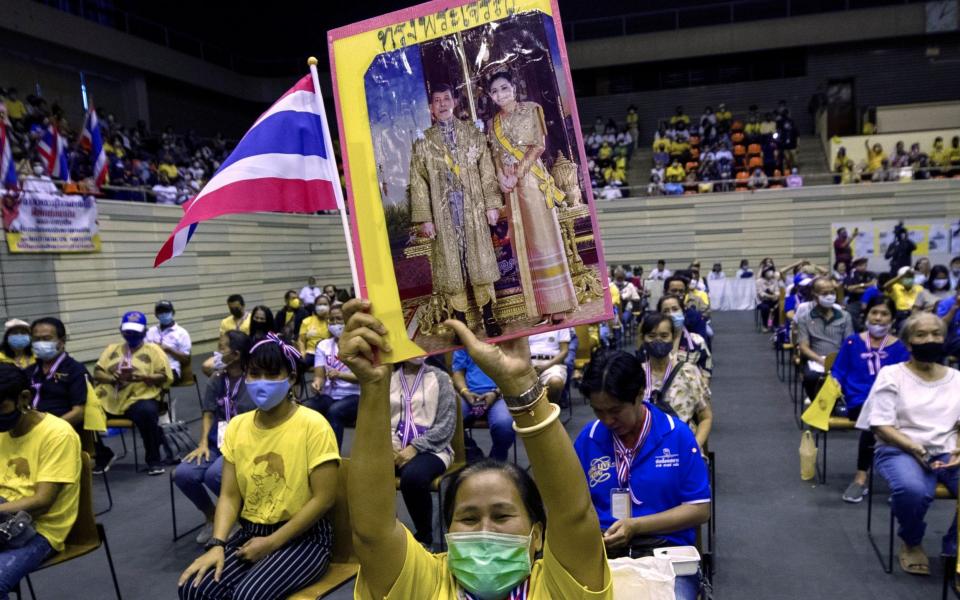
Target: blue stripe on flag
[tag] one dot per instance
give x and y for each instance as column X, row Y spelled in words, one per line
column 287, row 132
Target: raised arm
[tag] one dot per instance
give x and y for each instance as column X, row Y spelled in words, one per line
column 379, row 539
column 575, row 537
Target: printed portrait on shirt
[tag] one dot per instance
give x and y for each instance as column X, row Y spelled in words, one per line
column 481, row 192
column 269, row 484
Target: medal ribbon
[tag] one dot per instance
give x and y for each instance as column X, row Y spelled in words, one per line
column 624, row 456
column 873, row 357
column 37, row 383
column 406, row 427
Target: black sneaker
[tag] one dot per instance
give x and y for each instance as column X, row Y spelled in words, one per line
column 105, row 459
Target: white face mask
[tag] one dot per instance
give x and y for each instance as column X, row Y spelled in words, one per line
column 827, row 300
column 941, row 284
column 919, row 279
column 38, row 170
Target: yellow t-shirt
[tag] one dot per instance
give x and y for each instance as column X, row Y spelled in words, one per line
column 701, row 297
column 904, row 298
column 49, row 453
column 231, row 324
column 312, row 330
column 168, row 169
column 426, row 575
column 273, row 465
column 148, row 359
column 16, row 109
column 21, row 362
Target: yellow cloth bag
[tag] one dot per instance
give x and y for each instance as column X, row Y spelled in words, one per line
column 94, row 417
column 818, row 413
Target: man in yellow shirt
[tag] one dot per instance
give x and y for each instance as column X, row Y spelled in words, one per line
column 39, row 478
column 675, row 172
column 904, row 292
column 940, row 156
column 132, row 375
column 15, row 107
column 238, row 319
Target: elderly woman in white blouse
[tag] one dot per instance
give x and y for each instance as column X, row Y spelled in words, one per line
column 914, row 411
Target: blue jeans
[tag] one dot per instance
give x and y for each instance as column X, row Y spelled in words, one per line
column 501, row 427
column 340, row 413
column 191, row 479
column 911, row 491
column 17, row 563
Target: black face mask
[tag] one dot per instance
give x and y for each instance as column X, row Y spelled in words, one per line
column 929, row 352
column 236, row 312
column 9, row 421
column 658, row 349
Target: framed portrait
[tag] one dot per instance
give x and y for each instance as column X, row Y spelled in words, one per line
column 465, row 171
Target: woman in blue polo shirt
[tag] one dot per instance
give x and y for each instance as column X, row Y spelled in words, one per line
column 860, row 358
column 647, row 477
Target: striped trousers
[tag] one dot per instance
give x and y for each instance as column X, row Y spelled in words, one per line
column 296, row 565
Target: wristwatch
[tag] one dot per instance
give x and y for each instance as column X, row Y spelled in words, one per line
column 525, row 401
column 214, row 542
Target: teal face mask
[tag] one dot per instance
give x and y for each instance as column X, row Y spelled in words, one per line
column 487, row 564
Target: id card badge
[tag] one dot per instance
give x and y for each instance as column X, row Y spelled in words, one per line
column 221, row 433
column 620, row 504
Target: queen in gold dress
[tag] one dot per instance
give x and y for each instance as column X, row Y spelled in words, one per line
column 517, row 137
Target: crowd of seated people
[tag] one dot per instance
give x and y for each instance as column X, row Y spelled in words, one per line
column 264, row 474
column 719, row 152
column 888, row 340
column 163, row 166
column 609, row 148
column 878, row 165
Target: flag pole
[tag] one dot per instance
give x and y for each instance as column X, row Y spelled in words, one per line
column 337, row 190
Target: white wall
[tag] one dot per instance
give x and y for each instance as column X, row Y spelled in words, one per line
column 858, row 152
column 917, row 117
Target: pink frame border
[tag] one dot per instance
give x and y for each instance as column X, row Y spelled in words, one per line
column 433, row 6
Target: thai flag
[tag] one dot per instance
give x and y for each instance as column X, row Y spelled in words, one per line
column 53, row 150
column 8, row 169
column 92, row 142
column 284, row 163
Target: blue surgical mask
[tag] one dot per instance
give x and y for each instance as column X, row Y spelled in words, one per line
column 336, row 330
column 165, row 318
column 45, row 350
column 18, row 341
column 267, row 394
column 678, row 320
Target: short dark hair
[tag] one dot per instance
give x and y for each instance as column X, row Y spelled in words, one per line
column 238, row 341
column 652, row 321
column 54, row 322
column 440, row 88
column 669, row 297
column 527, row 488
column 881, row 299
column 615, row 374
column 270, row 358
column 235, row 298
column 13, row 381
column 289, row 294
column 672, row 278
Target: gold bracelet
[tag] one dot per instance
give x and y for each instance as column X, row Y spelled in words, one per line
column 535, row 429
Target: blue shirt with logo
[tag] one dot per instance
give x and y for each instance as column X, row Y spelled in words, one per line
column 668, row 471
column 852, row 372
column 477, row 380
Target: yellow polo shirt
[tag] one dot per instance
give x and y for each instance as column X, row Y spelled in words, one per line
column 148, row 359
column 232, row 324
column 49, row 453
column 426, row 575
column 312, row 330
column 904, row 298
column 21, row 362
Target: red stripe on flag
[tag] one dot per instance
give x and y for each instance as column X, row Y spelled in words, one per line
column 269, row 194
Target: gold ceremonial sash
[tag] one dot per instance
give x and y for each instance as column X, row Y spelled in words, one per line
column 547, row 185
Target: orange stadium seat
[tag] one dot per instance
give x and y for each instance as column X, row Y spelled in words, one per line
column 739, row 149
column 737, row 137
column 737, row 126
column 753, row 149
column 755, row 161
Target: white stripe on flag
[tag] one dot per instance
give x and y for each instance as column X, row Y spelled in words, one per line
column 300, row 101
column 281, row 166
